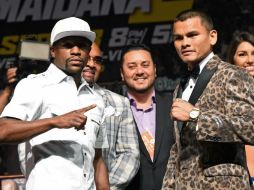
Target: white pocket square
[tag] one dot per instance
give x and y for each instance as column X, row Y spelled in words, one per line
column 108, row 111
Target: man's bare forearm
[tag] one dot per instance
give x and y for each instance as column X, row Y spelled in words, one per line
column 101, row 172
column 14, row 130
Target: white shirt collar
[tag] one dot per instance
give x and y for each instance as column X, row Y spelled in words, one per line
column 192, row 82
column 59, row 75
column 203, row 63
column 56, row 73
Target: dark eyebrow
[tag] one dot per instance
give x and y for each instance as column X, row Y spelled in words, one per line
column 177, row 36
column 145, row 61
column 180, row 36
column 192, row 33
column 131, row 63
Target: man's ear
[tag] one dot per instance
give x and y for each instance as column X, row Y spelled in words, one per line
column 102, row 68
column 213, row 37
column 122, row 74
column 155, row 68
column 52, row 52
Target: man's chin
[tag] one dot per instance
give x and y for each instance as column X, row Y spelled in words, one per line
column 73, row 72
column 88, row 79
column 140, row 89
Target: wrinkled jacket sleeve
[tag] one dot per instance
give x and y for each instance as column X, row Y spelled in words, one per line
column 233, row 121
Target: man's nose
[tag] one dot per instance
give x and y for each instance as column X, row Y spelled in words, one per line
column 139, row 70
column 75, row 50
column 90, row 62
column 185, row 42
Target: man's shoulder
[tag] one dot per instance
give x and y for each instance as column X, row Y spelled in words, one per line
column 229, row 72
column 222, row 67
column 38, row 80
column 113, row 94
column 110, row 93
column 119, row 102
column 164, row 94
column 33, row 80
column 39, row 76
column 231, row 69
column 163, row 98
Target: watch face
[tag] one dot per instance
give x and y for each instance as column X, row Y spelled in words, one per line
column 194, row 114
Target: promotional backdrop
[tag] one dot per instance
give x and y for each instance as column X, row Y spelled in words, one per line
column 118, row 23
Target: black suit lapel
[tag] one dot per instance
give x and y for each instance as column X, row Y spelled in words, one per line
column 161, row 110
column 179, row 95
column 201, row 84
column 179, row 92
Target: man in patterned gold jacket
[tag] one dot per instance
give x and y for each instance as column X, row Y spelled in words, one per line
column 213, row 113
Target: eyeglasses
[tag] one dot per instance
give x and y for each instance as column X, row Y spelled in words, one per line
column 96, row 59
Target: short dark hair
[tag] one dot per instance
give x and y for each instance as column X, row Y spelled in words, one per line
column 206, row 20
column 133, row 47
column 237, row 38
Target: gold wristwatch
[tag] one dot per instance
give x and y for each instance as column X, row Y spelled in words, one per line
column 194, row 114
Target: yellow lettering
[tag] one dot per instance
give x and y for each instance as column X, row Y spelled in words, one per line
column 161, row 11
column 44, row 37
column 99, row 34
column 9, row 45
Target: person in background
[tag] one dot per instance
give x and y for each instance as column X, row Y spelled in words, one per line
column 6, row 93
column 122, row 156
column 8, row 184
column 150, row 109
column 212, row 112
column 61, row 117
column 9, row 162
column 241, row 53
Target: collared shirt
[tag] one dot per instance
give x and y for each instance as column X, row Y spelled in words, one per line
column 145, row 119
column 192, row 82
column 63, row 157
column 122, row 157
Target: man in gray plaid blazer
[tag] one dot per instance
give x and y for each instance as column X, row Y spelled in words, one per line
column 122, row 156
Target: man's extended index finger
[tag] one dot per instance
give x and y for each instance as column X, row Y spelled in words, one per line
column 85, row 109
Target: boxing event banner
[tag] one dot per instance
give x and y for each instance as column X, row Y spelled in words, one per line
column 117, row 23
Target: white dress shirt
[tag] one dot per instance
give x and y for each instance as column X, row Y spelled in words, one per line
column 63, row 157
column 192, row 82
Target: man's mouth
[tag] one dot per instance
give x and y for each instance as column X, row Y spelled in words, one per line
column 140, row 78
column 186, row 52
column 76, row 61
column 88, row 70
